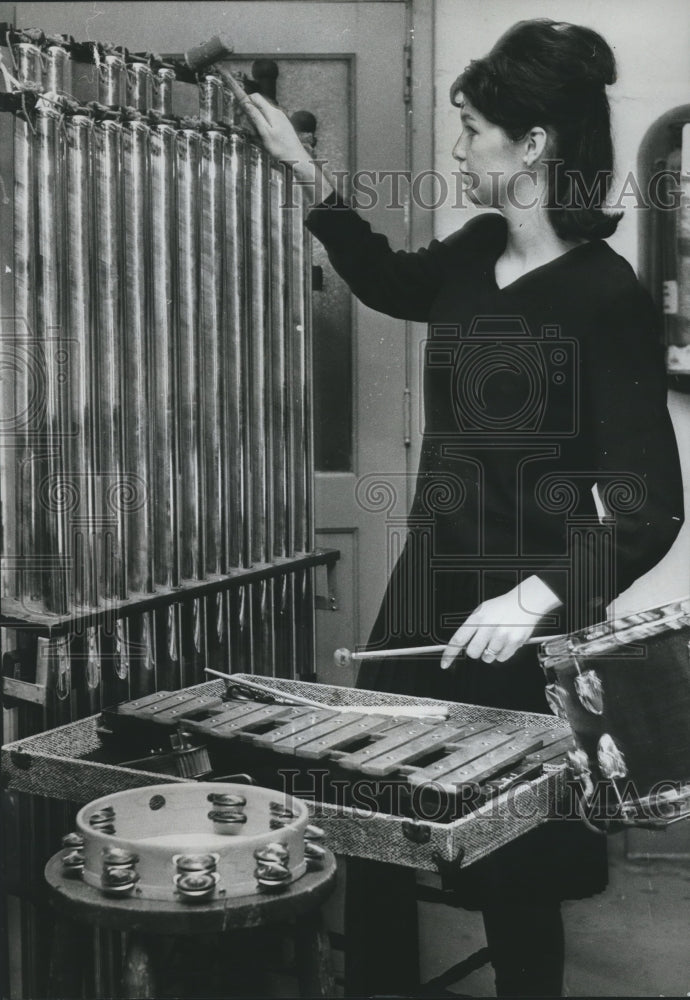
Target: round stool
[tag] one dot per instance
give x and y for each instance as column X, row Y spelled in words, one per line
column 143, row 920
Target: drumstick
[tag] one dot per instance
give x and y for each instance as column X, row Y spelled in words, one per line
column 343, row 657
column 431, row 712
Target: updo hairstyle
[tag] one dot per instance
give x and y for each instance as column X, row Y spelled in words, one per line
column 553, row 74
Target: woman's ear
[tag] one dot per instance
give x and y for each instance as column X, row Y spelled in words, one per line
column 535, row 145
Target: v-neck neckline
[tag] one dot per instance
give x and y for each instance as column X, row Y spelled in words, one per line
column 588, row 244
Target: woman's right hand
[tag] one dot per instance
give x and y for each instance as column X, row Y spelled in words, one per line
column 277, row 134
column 275, row 130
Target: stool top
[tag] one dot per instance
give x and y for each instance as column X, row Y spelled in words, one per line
column 84, row 903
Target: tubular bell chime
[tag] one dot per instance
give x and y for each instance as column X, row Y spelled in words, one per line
column 156, row 425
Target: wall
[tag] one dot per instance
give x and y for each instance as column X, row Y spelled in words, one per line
column 651, row 43
column 160, row 26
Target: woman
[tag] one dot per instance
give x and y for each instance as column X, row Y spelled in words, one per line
column 544, row 383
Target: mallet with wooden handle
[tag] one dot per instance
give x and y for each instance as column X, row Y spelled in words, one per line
column 344, row 657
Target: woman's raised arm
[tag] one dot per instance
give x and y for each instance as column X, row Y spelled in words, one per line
column 398, row 283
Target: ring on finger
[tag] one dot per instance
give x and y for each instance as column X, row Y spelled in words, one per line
column 488, row 652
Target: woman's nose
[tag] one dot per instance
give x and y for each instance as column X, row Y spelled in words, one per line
column 459, row 150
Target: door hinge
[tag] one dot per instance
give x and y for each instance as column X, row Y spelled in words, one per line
column 407, row 73
column 407, row 418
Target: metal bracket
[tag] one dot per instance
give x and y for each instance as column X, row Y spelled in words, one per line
column 329, row 601
column 450, row 871
column 418, row 833
column 325, row 603
column 15, row 688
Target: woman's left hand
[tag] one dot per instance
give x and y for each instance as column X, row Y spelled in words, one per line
column 498, row 627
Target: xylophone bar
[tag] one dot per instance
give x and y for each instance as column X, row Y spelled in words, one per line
column 449, row 756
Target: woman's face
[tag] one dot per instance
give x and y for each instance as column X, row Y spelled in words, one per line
column 488, row 157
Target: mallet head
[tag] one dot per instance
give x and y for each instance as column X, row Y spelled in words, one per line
column 342, row 657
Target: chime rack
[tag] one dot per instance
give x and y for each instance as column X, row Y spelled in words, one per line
column 157, row 432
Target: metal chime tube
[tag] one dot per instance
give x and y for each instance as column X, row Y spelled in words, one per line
column 139, row 86
column 231, row 112
column 162, row 371
column 188, row 158
column 78, row 426
column 112, row 80
column 136, row 405
column 234, row 377
column 211, row 99
column 61, row 491
column 299, row 380
column 54, row 496
column 140, row 631
column 294, row 306
column 30, row 373
column 29, row 367
column 162, row 361
column 281, row 542
column 29, row 63
column 58, row 70
column 279, row 458
column 112, row 489
column 260, row 341
column 162, row 91
column 259, row 480
column 188, row 151
column 132, row 653
column 211, row 347
column 235, row 359
column 79, row 440
column 212, row 388
column 108, row 288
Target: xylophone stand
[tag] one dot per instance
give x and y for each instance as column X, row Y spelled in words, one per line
column 144, row 921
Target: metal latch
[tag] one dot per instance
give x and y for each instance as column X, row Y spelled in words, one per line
column 327, row 601
column 418, row 833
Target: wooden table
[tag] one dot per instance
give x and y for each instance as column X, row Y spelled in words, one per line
column 144, row 920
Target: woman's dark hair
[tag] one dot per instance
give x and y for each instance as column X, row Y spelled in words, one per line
column 553, row 74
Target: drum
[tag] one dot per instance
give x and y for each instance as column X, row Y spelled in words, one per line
column 192, row 842
column 624, row 687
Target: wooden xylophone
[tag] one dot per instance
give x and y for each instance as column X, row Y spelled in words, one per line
column 402, row 763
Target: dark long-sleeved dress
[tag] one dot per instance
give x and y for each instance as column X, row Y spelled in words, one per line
column 532, row 394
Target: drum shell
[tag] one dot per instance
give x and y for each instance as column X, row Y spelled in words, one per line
column 645, row 694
